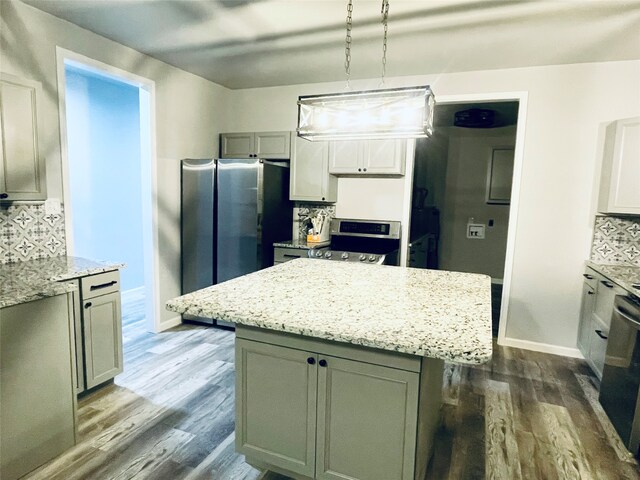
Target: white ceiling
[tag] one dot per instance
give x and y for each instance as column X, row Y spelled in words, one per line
column 258, row 43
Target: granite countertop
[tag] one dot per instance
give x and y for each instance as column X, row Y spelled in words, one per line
column 428, row 313
column 23, row 282
column 625, row 276
column 300, row 244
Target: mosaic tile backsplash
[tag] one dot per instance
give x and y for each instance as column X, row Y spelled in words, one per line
column 303, row 211
column 27, row 233
column 616, row 240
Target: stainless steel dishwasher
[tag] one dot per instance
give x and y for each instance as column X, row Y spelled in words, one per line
column 620, row 387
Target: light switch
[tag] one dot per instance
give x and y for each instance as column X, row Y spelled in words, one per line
column 475, row 230
column 52, row 206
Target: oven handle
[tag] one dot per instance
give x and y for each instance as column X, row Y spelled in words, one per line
column 628, row 316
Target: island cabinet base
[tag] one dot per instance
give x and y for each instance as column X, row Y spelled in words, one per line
column 316, row 409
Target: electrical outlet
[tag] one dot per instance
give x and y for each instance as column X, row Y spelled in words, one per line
column 475, row 231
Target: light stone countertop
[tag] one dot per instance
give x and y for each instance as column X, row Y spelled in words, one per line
column 23, row 282
column 428, row 313
column 625, row 276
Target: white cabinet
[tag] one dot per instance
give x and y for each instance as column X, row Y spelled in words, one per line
column 310, row 180
column 598, row 295
column 268, row 145
column 368, row 157
column 22, row 166
column 620, row 180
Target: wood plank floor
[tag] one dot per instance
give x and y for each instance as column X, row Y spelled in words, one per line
column 170, row 415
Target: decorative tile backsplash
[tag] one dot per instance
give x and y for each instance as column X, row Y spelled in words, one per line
column 303, row 211
column 616, row 240
column 27, row 233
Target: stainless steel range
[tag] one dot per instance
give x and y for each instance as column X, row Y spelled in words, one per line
column 364, row 241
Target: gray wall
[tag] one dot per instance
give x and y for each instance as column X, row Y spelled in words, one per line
column 189, row 113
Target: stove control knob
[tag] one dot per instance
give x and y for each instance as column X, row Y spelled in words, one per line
column 363, row 257
column 345, row 255
column 327, row 255
column 319, row 254
column 372, row 258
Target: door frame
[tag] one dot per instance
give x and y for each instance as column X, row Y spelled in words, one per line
column 521, row 97
column 149, row 170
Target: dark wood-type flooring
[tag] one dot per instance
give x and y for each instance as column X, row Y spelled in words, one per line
column 170, row 415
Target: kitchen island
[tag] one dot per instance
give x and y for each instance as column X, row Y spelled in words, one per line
column 339, row 365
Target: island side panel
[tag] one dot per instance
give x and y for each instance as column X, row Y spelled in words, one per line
column 429, row 406
column 38, row 401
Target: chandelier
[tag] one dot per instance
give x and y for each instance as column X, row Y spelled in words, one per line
column 382, row 113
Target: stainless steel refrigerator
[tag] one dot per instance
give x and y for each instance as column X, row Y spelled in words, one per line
column 232, row 211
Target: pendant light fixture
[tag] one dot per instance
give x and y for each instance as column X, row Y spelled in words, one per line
column 382, row 113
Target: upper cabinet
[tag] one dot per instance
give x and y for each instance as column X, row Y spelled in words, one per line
column 620, row 181
column 22, row 165
column 368, row 157
column 268, row 145
column 310, row 180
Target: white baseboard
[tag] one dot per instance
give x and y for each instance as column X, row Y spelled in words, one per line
column 541, row 347
column 132, row 293
column 172, row 322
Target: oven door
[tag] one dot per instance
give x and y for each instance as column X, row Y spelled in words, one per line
column 621, row 374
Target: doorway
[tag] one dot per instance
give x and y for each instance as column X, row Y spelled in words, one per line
column 106, row 118
column 461, row 192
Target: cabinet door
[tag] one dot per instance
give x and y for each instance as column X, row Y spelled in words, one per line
column 586, row 311
column 237, row 145
column 276, row 405
column 367, row 417
column 102, row 324
column 22, row 166
column 345, row 157
column 385, row 157
column 620, row 191
column 310, row 179
column 274, row 145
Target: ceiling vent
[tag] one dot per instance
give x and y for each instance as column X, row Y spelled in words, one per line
column 475, row 118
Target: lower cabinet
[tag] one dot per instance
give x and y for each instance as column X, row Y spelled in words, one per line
column 316, row 411
column 598, row 295
column 285, row 254
column 98, row 327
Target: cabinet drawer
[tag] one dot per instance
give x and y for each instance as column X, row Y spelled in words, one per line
column 100, row 284
column 281, row 255
column 598, row 346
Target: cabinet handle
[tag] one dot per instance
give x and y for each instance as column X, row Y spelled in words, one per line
column 4, row 195
column 322, row 363
column 364, row 169
column 311, row 361
column 591, row 292
column 88, row 304
column 599, row 333
column 587, row 276
column 286, row 255
column 102, row 285
column 606, row 284
column 359, row 169
column 322, row 198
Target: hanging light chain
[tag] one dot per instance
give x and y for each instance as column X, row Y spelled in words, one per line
column 347, row 44
column 385, row 16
